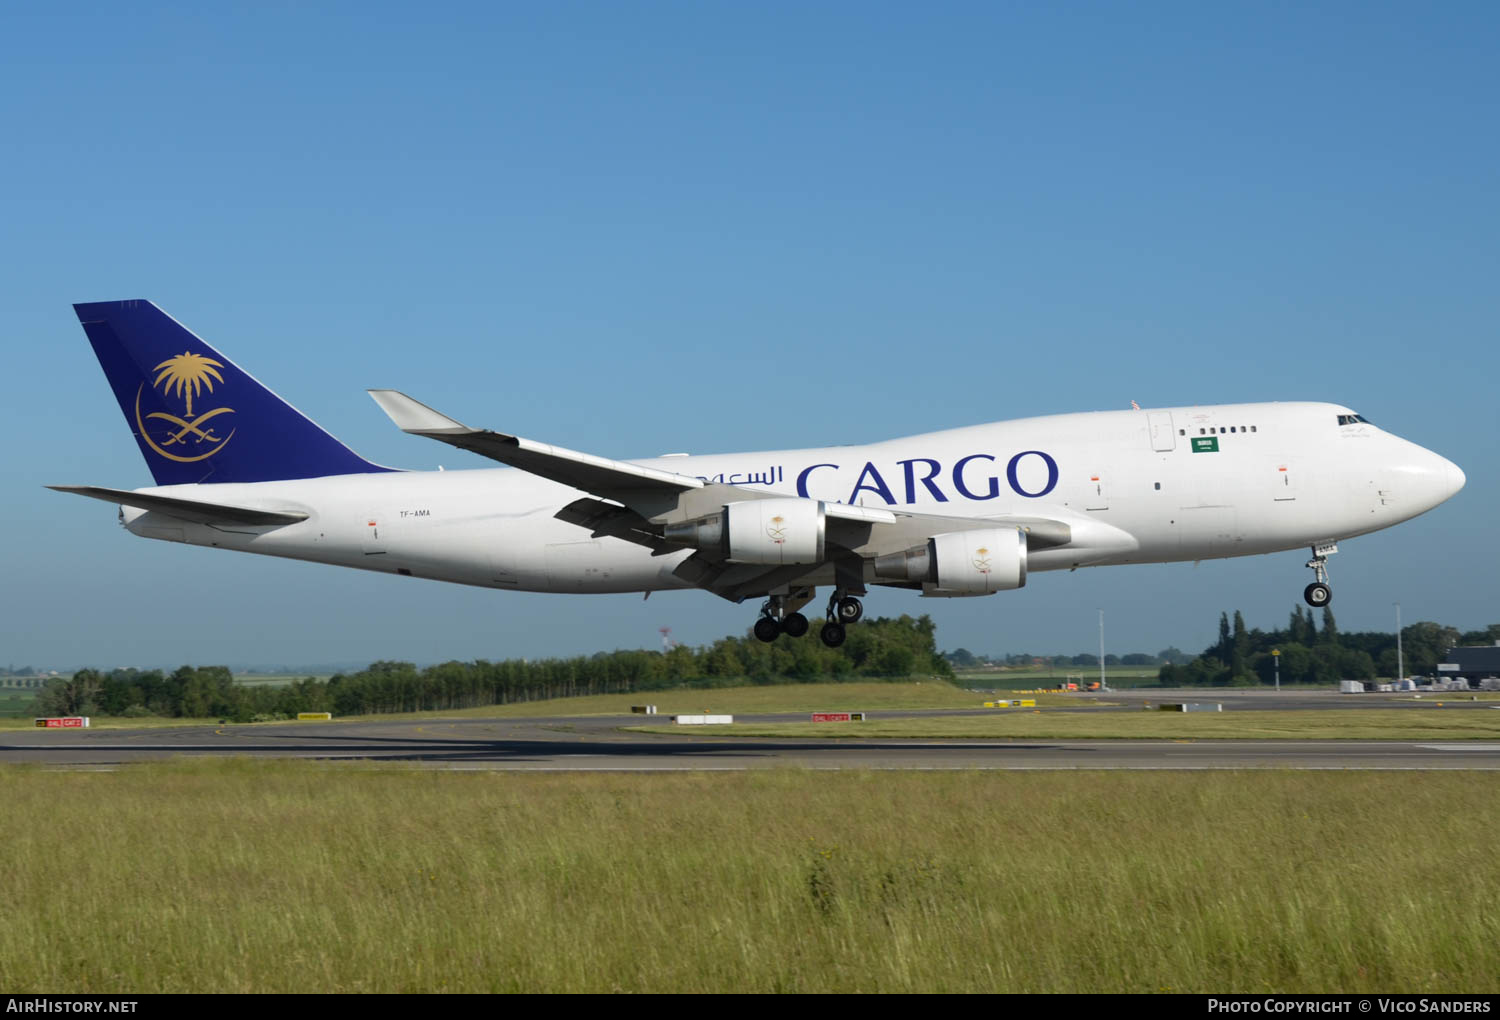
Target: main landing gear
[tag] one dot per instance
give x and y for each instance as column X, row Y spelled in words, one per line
column 1319, row 594
column 843, row 609
column 779, row 615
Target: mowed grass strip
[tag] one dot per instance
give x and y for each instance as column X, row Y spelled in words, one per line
column 1028, row 724
column 148, row 722
column 748, row 699
column 236, row 876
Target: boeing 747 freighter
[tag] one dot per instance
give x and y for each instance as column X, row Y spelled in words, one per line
column 962, row 512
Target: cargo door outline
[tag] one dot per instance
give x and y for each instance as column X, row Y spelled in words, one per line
column 1284, row 481
column 1094, row 497
column 1163, row 437
column 375, row 533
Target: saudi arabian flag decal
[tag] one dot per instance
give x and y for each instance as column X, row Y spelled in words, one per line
column 1206, row 444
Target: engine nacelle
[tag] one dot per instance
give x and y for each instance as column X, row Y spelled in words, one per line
column 770, row 532
column 961, row 562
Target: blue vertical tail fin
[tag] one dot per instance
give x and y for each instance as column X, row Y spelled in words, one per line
column 197, row 416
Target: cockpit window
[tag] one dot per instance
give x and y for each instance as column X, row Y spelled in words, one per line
column 1353, row 419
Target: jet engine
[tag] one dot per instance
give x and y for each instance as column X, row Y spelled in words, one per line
column 961, row 562
column 763, row 531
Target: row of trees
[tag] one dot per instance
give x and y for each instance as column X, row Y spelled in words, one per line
column 879, row 648
column 1313, row 655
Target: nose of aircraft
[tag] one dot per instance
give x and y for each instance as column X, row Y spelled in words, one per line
column 1437, row 479
column 1453, row 478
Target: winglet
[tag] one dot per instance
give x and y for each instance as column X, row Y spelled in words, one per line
column 416, row 417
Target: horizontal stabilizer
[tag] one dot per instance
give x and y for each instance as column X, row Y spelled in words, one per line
column 193, row 510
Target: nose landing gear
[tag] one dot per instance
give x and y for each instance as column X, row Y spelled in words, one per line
column 1319, row 594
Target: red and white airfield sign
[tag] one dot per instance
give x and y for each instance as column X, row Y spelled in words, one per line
column 70, row 722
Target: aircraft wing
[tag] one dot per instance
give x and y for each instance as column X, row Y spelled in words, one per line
column 651, row 507
column 630, row 484
column 648, row 491
column 195, row 510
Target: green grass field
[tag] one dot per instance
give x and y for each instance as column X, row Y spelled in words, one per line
column 1021, row 723
column 240, row 876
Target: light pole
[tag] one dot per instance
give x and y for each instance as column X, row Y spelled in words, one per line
column 1103, row 685
column 1400, row 661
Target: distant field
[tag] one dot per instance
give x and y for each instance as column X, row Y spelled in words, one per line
column 260, row 876
column 1330, row 724
column 276, row 679
column 1020, row 679
column 16, row 704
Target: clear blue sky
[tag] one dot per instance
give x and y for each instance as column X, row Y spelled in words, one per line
column 639, row 228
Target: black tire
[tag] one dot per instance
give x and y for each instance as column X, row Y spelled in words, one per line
column 794, row 625
column 766, row 629
column 1317, row 594
column 851, row 610
column 833, row 634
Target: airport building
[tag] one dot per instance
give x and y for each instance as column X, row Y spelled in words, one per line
column 1475, row 662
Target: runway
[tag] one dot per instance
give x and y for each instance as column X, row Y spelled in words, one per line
column 599, row 743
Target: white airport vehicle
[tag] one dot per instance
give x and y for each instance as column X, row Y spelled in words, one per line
column 963, row 512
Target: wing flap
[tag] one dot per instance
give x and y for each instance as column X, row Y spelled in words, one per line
column 607, row 520
column 197, row 511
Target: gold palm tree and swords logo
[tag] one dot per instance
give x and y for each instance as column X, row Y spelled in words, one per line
column 776, row 531
column 982, row 560
column 184, row 377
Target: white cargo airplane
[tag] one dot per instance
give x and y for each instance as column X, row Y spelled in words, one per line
column 966, row 511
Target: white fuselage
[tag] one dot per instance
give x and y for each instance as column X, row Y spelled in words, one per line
column 1135, row 486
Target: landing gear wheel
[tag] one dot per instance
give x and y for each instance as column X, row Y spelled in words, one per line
column 766, row 628
column 833, row 634
column 794, row 625
column 850, row 609
column 1318, row 593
